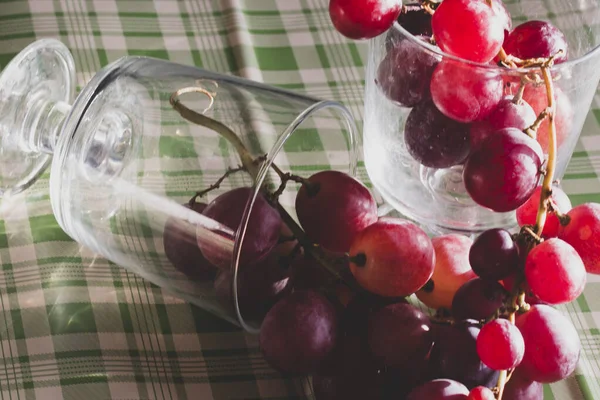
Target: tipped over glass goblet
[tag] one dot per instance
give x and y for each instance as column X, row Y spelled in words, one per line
column 163, row 169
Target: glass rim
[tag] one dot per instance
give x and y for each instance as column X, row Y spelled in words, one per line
column 492, row 67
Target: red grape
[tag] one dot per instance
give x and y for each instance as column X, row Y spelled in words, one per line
column 433, row 139
column 478, row 299
column 481, row 393
column 527, row 213
column 451, row 270
column 494, row 255
column 181, row 248
column 534, row 39
column 439, row 389
column 507, row 114
column 405, row 72
column 555, row 272
column 333, row 207
column 504, row 171
column 454, row 355
column 536, row 97
column 469, row 29
column 262, row 232
column 500, row 345
column 399, row 335
column 393, row 257
column 583, row 233
column 308, row 273
column 521, row 388
column 363, row 19
column 552, row 345
column 299, row 332
column 503, row 14
column 463, row 92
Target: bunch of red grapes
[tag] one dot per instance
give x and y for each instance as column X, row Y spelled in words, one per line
column 338, row 293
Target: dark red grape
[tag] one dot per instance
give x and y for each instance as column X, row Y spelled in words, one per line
column 363, row 19
column 500, row 345
column 552, row 345
column 521, row 388
column 405, row 72
column 494, row 255
column 333, row 208
column 583, row 233
column 439, row 389
column 181, row 248
column 469, row 29
column 454, row 355
column 415, row 20
column 262, row 232
column 392, row 258
column 555, row 272
column 507, row 114
column 259, row 287
column 308, row 273
column 299, row 332
column 433, row 139
column 399, row 335
column 504, row 171
column 478, row 299
column 527, row 213
column 533, row 39
column 463, row 92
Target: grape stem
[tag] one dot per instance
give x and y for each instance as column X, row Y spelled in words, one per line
column 532, row 130
column 251, row 165
column 216, row 185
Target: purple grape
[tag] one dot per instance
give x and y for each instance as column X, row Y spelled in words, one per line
column 299, row 332
column 454, row 355
column 521, row 388
column 262, row 233
column 435, row 140
column 181, row 248
column 439, row 389
column 504, row 171
column 494, row 255
column 477, row 299
column 405, row 72
column 399, row 335
column 533, row 39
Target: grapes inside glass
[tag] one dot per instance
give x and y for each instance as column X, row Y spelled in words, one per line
column 146, row 145
column 415, row 154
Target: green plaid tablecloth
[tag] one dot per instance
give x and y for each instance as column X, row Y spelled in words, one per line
column 74, row 326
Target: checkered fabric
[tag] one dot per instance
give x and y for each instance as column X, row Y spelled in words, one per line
column 75, row 326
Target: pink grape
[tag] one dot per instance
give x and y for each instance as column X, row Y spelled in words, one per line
column 469, row 29
column 392, row 257
column 500, row 345
column 555, row 272
column 463, row 92
column 481, row 393
column 262, row 233
column 333, row 208
column 494, row 255
column 299, row 332
column 439, row 389
column 507, row 114
column 504, row 171
column 552, row 345
column 527, row 213
column 181, row 248
column 583, row 233
column 535, row 39
column 400, row 335
column 521, row 388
